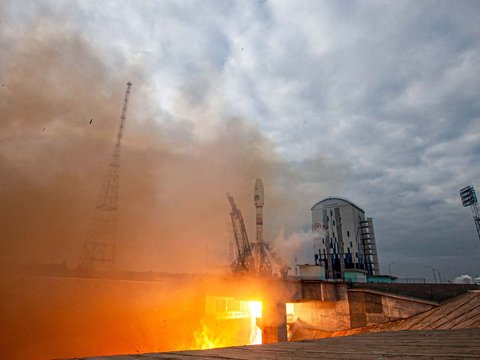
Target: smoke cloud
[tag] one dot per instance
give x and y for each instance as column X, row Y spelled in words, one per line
column 61, row 102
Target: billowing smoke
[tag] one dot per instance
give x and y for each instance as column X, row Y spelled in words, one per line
column 60, row 103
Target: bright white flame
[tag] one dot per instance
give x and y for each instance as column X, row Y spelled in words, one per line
column 290, row 308
column 255, row 308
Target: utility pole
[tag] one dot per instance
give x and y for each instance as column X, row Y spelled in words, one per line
column 469, row 198
column 99, row 250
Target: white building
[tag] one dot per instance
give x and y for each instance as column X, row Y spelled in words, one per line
column 344, row 239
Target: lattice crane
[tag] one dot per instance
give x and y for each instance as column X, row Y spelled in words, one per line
column 98, row 252
column 244, row 258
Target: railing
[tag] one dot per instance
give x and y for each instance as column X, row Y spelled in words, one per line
column 410, row 281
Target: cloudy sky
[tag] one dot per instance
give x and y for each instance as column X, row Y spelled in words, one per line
column 375, row 101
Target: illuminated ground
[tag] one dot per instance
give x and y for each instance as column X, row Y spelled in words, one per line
column 434, row 344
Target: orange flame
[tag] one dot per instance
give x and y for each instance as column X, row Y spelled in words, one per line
column 222, row 336
column 206, row 339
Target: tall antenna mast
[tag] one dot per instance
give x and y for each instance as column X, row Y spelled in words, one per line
column 98, row 251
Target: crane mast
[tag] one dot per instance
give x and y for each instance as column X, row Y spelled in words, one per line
column 99, row 250
column 244, row 260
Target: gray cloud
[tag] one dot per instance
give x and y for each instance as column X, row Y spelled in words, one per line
column 374, row 101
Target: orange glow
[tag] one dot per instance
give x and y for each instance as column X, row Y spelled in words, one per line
column 115, row 317
column 230, row 322
column 206, row 339
column 290, row 310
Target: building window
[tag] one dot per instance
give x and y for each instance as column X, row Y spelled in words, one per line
column 348, row 233
column 351, row 245
column 331, row 213
column 333, row 222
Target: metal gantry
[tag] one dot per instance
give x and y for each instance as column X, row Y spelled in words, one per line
column 99, row 250
column 243, row 261
column 246, row 253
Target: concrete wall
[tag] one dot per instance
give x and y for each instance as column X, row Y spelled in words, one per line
column 321, row 305
column 314, row 272
column 432, row 292
column 315, row 290
column 323, row 315
column 371, row 307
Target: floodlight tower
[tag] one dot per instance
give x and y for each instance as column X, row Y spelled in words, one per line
column 469, row 198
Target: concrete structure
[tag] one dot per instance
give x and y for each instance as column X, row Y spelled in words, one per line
column 355, row 275
column 368, row 307
column 462, row 312
column 165, row 312
column 345, row 238
column 433, row 292
column 313, row 272
column 381, row 279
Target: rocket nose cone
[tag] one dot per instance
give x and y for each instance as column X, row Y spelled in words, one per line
column 258, row 184
column 258, row 193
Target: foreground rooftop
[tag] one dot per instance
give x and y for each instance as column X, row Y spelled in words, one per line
column 425, row 344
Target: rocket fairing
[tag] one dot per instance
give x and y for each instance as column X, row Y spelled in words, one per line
column 259, row 200
column 258, row 193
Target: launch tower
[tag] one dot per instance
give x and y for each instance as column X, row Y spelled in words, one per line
column 258, row 257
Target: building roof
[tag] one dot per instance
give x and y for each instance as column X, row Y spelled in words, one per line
column 461, row 312
column 338, row 198
column 426, row 344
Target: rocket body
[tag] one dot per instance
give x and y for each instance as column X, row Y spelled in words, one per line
column 259, row 199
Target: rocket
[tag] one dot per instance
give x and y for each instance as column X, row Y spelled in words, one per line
column 259, row 199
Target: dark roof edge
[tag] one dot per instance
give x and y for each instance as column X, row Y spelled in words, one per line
column 339, row 198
